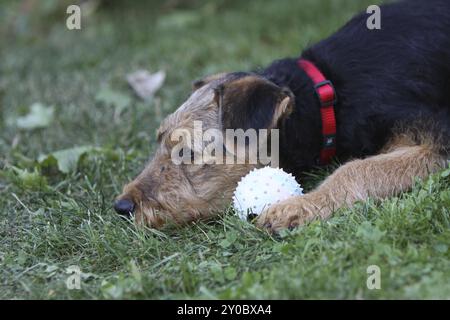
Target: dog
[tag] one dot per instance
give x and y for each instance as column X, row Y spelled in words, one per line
column 376, row 100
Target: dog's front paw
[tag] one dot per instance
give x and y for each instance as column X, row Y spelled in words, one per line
column 293, row 212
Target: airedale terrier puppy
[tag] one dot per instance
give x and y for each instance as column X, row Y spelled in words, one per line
column 375, row 99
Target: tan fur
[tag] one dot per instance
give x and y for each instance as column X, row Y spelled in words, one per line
column 378, row 177
column 282, row 110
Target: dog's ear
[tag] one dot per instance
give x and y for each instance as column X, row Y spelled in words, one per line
column 252, row 102
column 197, row 84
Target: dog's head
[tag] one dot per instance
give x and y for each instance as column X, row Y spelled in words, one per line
column 192, row 174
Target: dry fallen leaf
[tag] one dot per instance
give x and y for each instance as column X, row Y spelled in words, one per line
column 40, row 116
column 65, row 160
column 145, row 84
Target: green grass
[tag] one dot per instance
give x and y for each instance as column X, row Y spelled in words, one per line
column 50, row 221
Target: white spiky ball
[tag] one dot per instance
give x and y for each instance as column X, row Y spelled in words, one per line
column 261, row 188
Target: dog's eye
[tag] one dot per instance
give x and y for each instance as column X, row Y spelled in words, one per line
column 181, row 154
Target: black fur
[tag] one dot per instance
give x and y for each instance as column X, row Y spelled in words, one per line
column 385, row 79
column 259, row 96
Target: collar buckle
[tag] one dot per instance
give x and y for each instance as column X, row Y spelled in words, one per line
column 326, row 93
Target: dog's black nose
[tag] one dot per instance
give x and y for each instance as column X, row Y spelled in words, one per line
column 124, row 207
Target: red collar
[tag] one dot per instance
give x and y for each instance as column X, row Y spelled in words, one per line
column 327, row 97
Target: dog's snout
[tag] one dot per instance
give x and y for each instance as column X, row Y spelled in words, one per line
column 124, row 207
